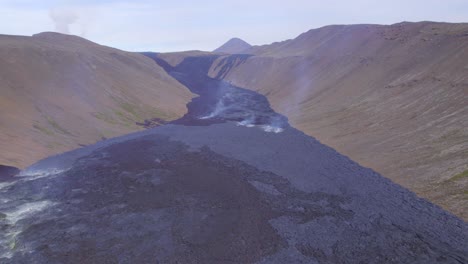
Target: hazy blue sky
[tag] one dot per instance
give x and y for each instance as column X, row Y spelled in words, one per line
column 205, row 24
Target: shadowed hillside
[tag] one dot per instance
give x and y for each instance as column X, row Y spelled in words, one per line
column 394, row 98
column 59, row 92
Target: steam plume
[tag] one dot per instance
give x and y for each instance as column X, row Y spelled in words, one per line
column 63, row 18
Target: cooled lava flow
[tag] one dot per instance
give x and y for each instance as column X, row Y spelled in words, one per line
column 220, row 101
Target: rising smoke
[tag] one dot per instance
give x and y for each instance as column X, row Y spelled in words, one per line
column 63, row 18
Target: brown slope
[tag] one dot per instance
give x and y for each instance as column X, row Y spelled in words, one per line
column 59, row 92
column 393, row 98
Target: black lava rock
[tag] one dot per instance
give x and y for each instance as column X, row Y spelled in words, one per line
column 7, row 172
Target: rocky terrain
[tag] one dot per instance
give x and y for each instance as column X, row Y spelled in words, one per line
column 217, row 186
column 60, row 92
column 393, row 98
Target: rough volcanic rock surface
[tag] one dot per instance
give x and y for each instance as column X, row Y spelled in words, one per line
column 7, row 172
column 221, row 193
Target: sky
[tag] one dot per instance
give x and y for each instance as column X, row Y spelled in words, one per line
column 176, row 25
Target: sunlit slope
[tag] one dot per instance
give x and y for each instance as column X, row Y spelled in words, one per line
column 58, row 92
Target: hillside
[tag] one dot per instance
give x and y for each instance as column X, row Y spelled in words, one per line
column 233, row 46
column 60, row 92
column 394, row 98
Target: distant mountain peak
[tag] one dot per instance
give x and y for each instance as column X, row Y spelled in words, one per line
column 234, row 45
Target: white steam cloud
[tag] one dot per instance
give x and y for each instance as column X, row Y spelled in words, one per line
column 63, row 18
column 76, row 20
